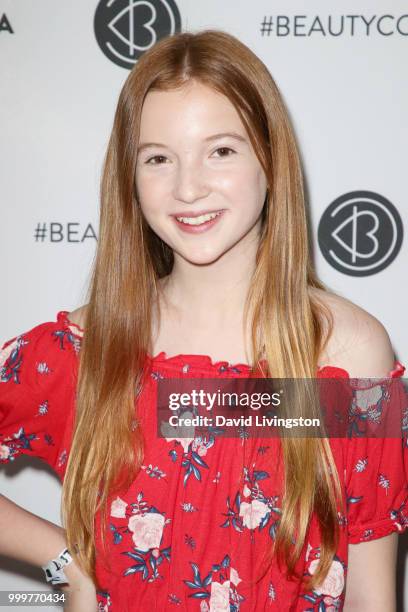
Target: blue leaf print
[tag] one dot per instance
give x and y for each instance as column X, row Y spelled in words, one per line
column 197, row 577
column 187, row 474
column 260, row 475
column 237, row 501
column 215, row 430
column 153, row 563
column 137, row 568
column 147, row 559
column 236, row 523
column 211, row 442
column 14, row 353
column 192, row 585
column 310, row 598
column 11, row 368
column 63, row 335
column 272, row 531
column 196, row 471
column 189, row 540
column 48, row 440
column 264, row 520
column 198, row 459
column 117, row 537
column 234, row 514
column 134, row 556
column 354, row 500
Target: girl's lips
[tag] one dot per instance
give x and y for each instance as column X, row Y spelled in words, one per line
column 198, row 229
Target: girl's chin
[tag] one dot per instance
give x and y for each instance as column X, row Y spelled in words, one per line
column 198, row 258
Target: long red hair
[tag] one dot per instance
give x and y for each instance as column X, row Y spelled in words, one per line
column 284, row 310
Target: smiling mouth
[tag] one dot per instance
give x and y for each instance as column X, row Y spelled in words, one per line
column 199, row 220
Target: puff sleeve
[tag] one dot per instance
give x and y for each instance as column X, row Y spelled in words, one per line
column 376, row 467
column 37, row 391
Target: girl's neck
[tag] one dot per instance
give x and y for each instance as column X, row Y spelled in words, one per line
column 214, row 294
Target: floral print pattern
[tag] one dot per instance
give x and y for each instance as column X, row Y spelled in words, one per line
column 194, row 528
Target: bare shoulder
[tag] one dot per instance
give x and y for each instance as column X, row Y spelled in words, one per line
column 359, row 342
column 78, row 316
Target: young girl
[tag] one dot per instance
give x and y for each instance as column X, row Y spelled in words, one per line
column 202, row 270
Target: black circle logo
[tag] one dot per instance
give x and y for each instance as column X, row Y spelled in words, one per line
column 125, row 29
column 360, row 233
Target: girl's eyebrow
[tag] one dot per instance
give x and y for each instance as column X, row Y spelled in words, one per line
column 146, row 145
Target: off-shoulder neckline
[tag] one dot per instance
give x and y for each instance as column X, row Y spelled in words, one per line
column 207, row 361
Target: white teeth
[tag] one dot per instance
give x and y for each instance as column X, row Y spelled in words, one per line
column 198, row 220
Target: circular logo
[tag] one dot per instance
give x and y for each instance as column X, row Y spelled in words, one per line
column 360, row 233
column 125, row 29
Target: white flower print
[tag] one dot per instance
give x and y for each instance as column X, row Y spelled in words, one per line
column 253, row 513
column 5, row 353
column 43, row 368
column 235, row 579
column 384, row 482
column 333, row 584
column 76, row 331
column 219, row 599
column 4, row 451
column 361, row 465
column 168, row 430
column 271, row 592
column 366, row 398
column 246, row 491
column 199, row 447
column 118, row 508
column 147, row 530
column 329, row 607
column 43, row 408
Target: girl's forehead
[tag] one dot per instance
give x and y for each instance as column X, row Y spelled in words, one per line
column 194, row 107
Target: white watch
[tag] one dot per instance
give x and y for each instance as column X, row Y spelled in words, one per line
column 54, row 571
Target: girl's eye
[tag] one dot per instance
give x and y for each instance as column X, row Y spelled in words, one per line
column 158, row 159
column 148, row 161
column 224, row 149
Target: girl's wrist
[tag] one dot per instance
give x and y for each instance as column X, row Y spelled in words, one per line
column 55, row 568
column 76, row 577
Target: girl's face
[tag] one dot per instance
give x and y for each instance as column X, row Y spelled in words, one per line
column 195, row 157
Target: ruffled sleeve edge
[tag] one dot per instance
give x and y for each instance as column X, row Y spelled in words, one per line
column 397, row 521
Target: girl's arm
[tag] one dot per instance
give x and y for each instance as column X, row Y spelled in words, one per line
column 370, row 585
column 30, row 538
column 363, row 348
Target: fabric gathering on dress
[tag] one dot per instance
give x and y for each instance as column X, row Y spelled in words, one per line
column 192, row 530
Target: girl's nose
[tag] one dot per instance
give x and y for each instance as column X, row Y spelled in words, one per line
column 190, row 184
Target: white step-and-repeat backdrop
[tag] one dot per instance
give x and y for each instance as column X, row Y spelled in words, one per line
column 342, row 69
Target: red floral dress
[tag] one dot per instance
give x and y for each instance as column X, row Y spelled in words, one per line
column 191, row 531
